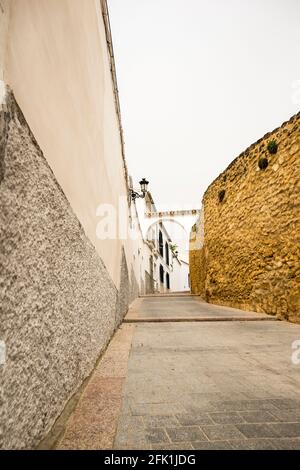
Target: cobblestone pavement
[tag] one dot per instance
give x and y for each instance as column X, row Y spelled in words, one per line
column 211, row 385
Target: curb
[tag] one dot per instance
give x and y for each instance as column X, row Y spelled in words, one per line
column 196, row 319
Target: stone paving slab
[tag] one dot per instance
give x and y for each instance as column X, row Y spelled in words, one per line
column 160, row 421
column 286, row 429
column 220, row 432
column 190, row 419
column 252, row 444
column 261, row 416
column 244, row 405
column 186, row 434
column 254, row 430
column 157, row 435
column 220, row 445
column 288, row 416
column 285, row 444
column 229, row 417
column 181, row 446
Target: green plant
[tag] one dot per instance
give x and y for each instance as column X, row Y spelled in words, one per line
column 272, row 146
column 173, row 248
column 263, row 163
column 221, row 195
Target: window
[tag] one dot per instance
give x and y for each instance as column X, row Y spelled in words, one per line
column 167, row 253
column 161, row 243
column 168, row 281
column 161, row 274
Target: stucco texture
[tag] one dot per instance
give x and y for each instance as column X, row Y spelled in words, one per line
column 59, row 306
column 250, row 255
column 58, row 65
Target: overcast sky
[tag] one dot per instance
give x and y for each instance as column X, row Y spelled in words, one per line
column 199, row 81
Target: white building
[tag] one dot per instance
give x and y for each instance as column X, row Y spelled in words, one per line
column 166, row 271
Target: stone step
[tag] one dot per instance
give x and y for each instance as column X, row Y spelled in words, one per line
column 173, row 294
column 129, row 319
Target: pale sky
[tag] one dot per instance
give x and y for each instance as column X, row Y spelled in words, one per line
column 199, row 81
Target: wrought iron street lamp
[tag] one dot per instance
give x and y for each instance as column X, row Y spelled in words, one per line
column 144, row 185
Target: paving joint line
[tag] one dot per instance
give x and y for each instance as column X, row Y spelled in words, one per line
column 195, row 319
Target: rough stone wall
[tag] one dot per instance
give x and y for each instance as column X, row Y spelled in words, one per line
column 250, row 258
column 197, row 270
column 196, row 262
column 58, row 304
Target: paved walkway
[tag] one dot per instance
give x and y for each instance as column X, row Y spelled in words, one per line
column 185, row 307
column 194, row 384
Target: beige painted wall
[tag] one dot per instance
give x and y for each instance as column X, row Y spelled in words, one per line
column 4, row 19
column 58, row 68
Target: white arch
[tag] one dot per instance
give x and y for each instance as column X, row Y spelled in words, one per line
column 165, row 219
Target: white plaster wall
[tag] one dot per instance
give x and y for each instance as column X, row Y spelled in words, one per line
column 4, row 20
column 184, row 276
column 179, row 276
column 58, row 68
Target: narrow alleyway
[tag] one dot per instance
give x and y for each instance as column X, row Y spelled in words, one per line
column 174, row 379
